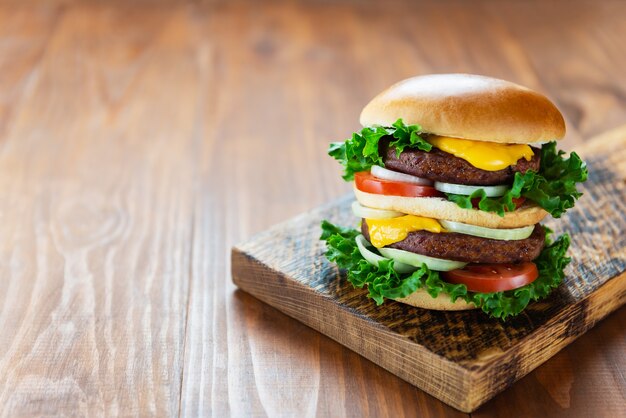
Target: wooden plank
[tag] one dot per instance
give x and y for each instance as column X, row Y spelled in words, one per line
column 585, row 379
column 463, row 358
column 96, row 206
column 584, row 79
column 23, row 37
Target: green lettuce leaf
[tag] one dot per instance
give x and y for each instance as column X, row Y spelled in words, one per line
column 384, row 282
column 360, row 152
column 553, row 188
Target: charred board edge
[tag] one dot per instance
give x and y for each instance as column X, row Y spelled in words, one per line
column 496, row 375
column 465, row 386
column 441, row 378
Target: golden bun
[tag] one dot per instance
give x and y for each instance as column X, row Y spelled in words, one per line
column 439, row 208
column 421, row 299
column 468, row 106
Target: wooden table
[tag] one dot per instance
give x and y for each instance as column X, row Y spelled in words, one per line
column 138, row 142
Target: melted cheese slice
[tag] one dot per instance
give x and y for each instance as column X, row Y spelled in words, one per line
column 489, row 156
column 387, row 231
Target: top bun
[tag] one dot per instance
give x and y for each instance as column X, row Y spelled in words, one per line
column 468, row 106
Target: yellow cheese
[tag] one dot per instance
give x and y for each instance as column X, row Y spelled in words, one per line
column 387, row 231
column 488, row 156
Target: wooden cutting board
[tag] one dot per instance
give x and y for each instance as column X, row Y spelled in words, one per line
column 461, row 358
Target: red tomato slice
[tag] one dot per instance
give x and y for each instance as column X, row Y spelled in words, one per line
column 518, row 201
column 489, row 278
column 365, row 182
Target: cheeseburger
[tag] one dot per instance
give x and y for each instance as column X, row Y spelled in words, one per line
column 453, row 174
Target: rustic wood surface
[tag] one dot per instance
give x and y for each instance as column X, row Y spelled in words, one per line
column 139, row 142
column 462, row 358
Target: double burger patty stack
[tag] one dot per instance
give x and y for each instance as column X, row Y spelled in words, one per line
column 452, row 174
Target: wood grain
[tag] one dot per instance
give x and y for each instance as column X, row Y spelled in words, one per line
column 138, row 142
column 97, row 194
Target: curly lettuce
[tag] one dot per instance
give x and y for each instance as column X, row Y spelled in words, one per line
column 360, row 152
column 383, row 281
column 553, row 187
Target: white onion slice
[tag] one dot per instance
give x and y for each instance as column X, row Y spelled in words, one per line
column 371, row 213
column 385, row 174
column 417, row 260
column 490, row 191
column 374, row 258
column 480, row 231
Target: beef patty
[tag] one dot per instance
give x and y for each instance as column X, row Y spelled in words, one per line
column 438, row 165
column 468, row 248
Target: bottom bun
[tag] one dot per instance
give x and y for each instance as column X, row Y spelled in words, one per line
column 421, row 299
column 438, row 208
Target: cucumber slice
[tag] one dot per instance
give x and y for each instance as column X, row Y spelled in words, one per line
column 417, row 260
column 374, row 258
column 490, row 191
column 480, row 231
